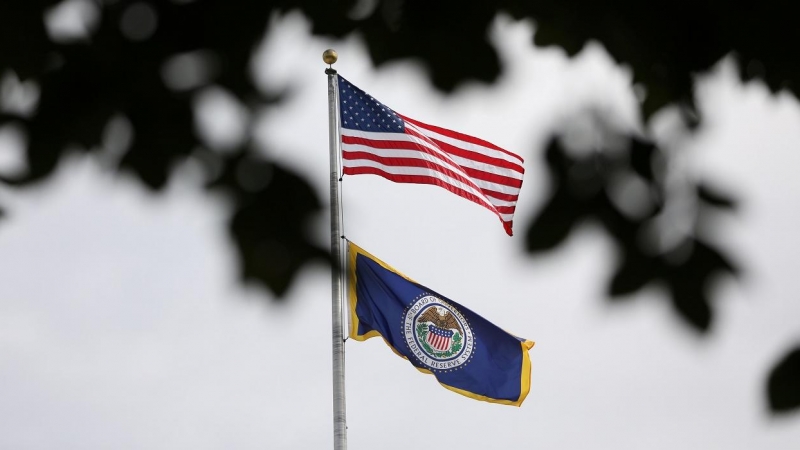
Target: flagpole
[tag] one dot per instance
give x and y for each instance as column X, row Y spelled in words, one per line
column 339, row 408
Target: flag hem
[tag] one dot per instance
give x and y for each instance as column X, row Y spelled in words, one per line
column 352, row 253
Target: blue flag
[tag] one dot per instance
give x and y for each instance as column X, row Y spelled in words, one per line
column 465, row 352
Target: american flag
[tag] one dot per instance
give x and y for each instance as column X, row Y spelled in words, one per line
column 376, row 140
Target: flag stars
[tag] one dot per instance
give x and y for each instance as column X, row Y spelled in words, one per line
column 365, row 107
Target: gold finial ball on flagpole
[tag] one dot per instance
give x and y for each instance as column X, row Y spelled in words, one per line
column 330, row 56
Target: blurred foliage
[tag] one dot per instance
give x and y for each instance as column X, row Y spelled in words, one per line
column 625, row 191
column 783, row 388
column 121, row 68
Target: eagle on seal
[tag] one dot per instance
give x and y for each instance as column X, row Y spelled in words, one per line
column 444, row 321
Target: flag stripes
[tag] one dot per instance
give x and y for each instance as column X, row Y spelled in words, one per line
column 495, row 186
column 490, row 181
column 420, row 179
column 441, row 343
column 469, row 143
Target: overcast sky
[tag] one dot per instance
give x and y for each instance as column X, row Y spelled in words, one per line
column 123, row 324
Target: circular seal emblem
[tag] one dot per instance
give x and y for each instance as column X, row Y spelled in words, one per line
column 437, row 334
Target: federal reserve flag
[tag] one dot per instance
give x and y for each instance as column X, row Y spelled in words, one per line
column 378, row 141
column 465, row 352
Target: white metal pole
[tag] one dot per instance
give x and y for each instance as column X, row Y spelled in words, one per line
column 339, row 406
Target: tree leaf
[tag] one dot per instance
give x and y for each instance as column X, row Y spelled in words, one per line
column 269, row 227
column 553, row 224
column 633, row 274
column 783, row 384
column 714, row 197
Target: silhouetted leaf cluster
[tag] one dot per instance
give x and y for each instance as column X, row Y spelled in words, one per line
column 667, row 43
column 783, row 388
column 84, row 84
column 271, row 244
column 119, row 72
column 583, row 189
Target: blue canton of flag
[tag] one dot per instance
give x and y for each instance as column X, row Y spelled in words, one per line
column 465, row 352
column 359, row 111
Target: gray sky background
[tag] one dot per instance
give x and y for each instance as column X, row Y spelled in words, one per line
column 123, row 324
